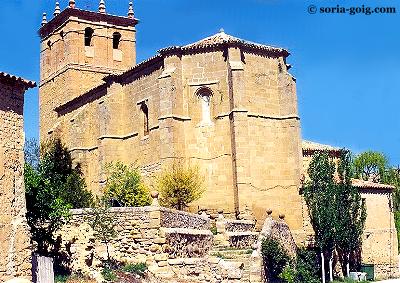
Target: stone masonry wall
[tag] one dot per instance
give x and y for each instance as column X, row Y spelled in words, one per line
column 14, row 236
column 173, row 244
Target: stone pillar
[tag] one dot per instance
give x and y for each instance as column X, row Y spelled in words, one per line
column 221, row 238
column 171, row 119
column 238, row 125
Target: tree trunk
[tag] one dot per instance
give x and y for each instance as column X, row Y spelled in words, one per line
column 348, row 265
column 331, row 268
column 323, row 267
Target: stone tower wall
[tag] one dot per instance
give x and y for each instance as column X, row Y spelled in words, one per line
column 69, row 68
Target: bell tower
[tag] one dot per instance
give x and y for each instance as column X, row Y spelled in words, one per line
column 78, row 49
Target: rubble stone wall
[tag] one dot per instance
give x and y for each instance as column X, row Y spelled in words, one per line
column 173, row 244
column 14, row 235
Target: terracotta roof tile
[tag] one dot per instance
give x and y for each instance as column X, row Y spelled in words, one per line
column 313, row 146
column 222, row 38
column 26, row 83
column 358, row 183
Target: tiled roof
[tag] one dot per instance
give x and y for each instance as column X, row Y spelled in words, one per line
column 222, row 38
column 12, row 78
column 358, row 183
column 313, row 146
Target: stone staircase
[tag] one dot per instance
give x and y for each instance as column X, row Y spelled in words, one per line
column 236, row 256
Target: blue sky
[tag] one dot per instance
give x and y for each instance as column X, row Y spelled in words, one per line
column 347, row 67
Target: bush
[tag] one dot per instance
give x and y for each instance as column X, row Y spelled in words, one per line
column 275, row 258
column 108, row 274
column 180, row 185
column 138, row 268
column 307, row 266
column 125, row 186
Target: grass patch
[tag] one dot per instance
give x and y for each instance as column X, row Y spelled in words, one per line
column 138, row 268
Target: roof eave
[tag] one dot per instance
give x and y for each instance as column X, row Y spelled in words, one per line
column 57, row 21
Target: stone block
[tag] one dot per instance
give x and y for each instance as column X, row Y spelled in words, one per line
column 161, row 257
column 176, row 261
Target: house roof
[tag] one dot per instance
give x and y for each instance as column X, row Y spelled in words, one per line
column 18, row 80
column 361, row 184
column 310, row 147
column 222, row 39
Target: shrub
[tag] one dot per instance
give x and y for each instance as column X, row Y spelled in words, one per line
column 125, row 186
column 214, row 230
column 307, row 266
column 180, row 185
column 275, row 258
column 138, row 268
column 108, row 274
column 61, row 278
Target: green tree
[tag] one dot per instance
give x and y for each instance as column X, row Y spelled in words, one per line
column 351, row 213
column 180, row 185
column 103, row 222
column 124, row 186
column 32, row 152
column 52, row 188
column 319, row 194
column 370, row 165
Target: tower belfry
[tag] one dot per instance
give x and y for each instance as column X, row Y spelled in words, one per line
column 78, row 49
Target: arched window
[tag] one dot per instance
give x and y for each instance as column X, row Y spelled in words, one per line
column 205, row 94
column 88, row 36
column 116, row 40
column 145, row 114
column 49, row 44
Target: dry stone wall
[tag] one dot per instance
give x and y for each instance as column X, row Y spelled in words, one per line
column 173, row 244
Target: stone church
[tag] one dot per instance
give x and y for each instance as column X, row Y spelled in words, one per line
column 223, row 103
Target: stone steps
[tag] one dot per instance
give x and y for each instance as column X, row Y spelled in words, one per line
column 235, row 256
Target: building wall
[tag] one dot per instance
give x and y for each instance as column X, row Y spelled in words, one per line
column 249, row 152
column 379, row 241
column 14, row 235
column 380, row 235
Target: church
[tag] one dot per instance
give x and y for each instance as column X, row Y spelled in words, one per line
column 223, row 103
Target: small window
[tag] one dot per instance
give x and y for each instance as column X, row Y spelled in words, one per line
column 205, row 95
column 116, row 40
column 88, row 36
column 145, row 114
column 49, row 44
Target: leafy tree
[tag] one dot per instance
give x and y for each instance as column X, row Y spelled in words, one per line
column 180, row 185
column 319, row 194
column 52, row 188
column 351, row 213
column 370, row 165
column 32, row 152
column 103, row 223
column 392, row 177
column 337, row 211
column 125, row 187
